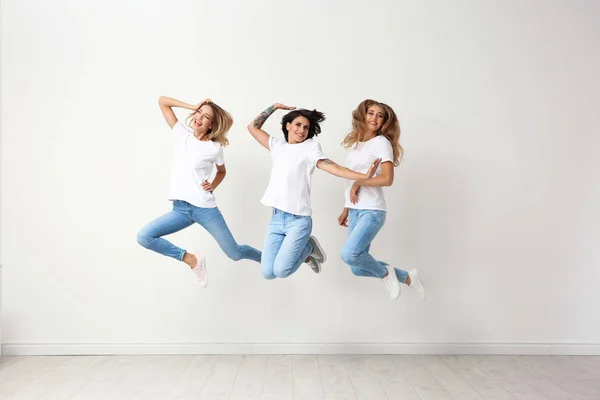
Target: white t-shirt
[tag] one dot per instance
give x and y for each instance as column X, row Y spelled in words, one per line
column 360, row 159
column 193, row 162
column 293, row 165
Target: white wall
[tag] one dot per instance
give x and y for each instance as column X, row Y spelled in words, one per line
column 1, row 180
column 497, row 203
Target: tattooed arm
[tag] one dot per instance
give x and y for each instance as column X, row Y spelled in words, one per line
column 261, row 136
column 329, row 166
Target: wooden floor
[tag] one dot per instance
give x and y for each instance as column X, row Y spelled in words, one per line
column 301, row 377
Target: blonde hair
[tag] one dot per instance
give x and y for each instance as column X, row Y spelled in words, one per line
column 390, row 128
column 221, row 123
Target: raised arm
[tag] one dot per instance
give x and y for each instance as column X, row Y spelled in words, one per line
column 329, row 166
column 166, row 107
column 261, row 136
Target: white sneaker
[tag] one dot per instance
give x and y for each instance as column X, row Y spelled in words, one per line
column 415, row 283
column 317, row 252
column 200, row 269
column 391, row 283
column 314, row 264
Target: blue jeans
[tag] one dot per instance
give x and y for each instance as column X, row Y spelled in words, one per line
column 286, row 245
column 183, row 215
column 363, row 226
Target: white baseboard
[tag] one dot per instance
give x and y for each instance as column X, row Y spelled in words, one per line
column 22, row 349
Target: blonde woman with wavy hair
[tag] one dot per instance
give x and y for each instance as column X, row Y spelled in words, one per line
column 198, row 149
column 375, row 135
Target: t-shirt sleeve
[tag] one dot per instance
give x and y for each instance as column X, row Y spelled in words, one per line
column 317, row 153
column 179, row 130
column 220, row 159
column 275, row 143
column 385, row 151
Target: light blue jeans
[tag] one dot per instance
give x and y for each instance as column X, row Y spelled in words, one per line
column 286, row 245
column 363, row 226
column 183, row 215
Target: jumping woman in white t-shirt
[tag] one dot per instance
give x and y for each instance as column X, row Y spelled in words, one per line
column 289, row 242
column 375, row 136
column 198, row 147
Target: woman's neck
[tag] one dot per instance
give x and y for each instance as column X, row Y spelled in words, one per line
column 202, row 136
column 366, row 136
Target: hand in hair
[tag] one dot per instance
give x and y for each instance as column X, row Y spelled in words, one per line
column 166, row 107
column 207, row 100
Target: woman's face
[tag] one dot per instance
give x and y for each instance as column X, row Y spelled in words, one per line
column 203, row 119
column 375, row 118
column 298, row 129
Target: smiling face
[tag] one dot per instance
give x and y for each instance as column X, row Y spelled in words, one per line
column 375, row 118
column 202, row 121
column 298, row 129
